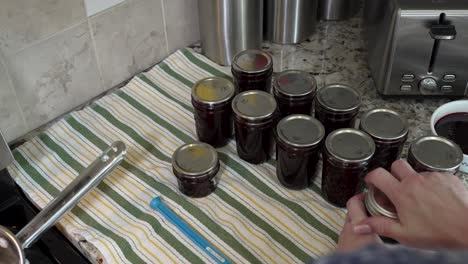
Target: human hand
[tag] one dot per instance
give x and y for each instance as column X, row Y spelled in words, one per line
column 432, row 208
column 350, row 241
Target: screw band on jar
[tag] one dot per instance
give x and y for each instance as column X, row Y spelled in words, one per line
column 252, row 70
column 211, row 99
column 346, row 157
column 297, row 151
column 389, row 130
column 337, row 106
column 195, row 167
column 294, row 91
column 255, row 113
column 436, row 154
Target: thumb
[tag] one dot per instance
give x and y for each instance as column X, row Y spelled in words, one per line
column 380, row 225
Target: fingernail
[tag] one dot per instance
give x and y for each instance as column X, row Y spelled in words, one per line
column 362, row 229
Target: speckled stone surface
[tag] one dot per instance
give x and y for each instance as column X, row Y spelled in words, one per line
column 337, row 53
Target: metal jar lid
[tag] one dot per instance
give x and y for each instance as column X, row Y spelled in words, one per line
column 436, row 153
column 384, row 124
column 213, row 91
column 339, row 98
column 195, row 160
column 378, row 204
column 300, row 131
column 350, row 145
column 254, row 105
column 295, row 83
column 252, row 61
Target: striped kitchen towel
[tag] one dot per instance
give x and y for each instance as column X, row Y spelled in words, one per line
column 250, row 218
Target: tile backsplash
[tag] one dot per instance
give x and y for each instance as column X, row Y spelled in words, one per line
column 54, row 58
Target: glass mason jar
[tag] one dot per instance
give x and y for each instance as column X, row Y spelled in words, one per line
column 196, row 167
column 346, row 159
column 298, row 152
column 294, row 92
column 211, row 99
column 436, row 154
column 337, row 106
column 378, row 204
column 389, row 130
column 255, row 118
column 252, row 70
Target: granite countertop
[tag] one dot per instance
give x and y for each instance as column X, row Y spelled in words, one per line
column 337, row 53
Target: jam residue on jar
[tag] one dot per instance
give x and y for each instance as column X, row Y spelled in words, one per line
column 346, row 159
column 196, row 166
column 211, row 98
column 298, row 144
column 389, row 130
column 434, row 153
column 255, row 116
column 337, row 106
column 252, row 70
column 294, row 91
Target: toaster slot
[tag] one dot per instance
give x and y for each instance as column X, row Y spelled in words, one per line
column 440, row 32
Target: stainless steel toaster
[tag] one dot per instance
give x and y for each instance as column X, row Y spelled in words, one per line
column 418, row 47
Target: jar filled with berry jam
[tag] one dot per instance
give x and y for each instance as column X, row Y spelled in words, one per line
column 436, row 154
column 389, row 130
column 294, row 91
column 337, row 106
column 252, row 70
column 211, row 99
column 298, row 144
column 196, row 166
column 346, row 158
column 254, row 120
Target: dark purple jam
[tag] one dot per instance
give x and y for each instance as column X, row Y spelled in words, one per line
column 254, row 142
column 346, row 159
column 196, row 166
column 389, row 130
column 288, row 107
column 455, row 128
column 214, row 126
column 252, row 70
column 255, row 118
column 294, row 91
column 244, row 82
column 211, row 99
column 339, row 183
column 298, row 152
column 386, row 153
column 337, row 106
column 196, row 188
column 333, row 121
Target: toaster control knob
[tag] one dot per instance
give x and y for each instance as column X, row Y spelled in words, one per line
column 428, row 85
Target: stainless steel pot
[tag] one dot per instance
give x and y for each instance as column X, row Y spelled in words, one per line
column 338, row 9
column 229, row 26
column 12, row 247
column 289, row 21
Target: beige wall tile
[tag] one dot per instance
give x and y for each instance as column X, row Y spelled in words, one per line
column 11, row 121
column 56, row 75
column 181, row 23
column 129, row 38
column 23, row 22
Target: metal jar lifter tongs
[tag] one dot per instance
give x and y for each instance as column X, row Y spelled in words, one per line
column 12, row 247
